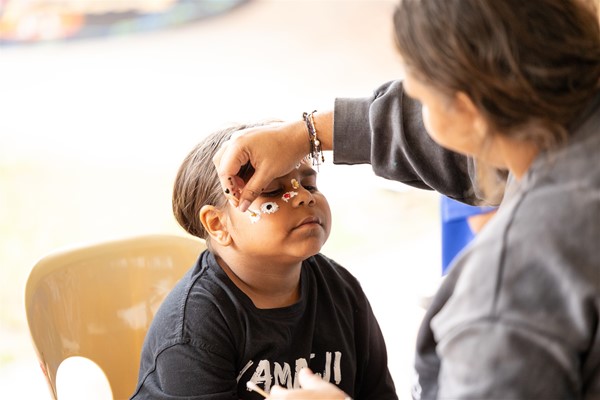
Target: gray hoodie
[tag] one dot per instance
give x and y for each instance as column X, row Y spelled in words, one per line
column 518, row 317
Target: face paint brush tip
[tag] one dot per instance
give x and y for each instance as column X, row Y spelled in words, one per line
column 253, row 386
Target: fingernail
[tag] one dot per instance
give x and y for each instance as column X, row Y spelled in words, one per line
column 244, row 205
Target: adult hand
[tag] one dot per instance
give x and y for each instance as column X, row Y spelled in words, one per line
column 312, row 387
column 272, row 150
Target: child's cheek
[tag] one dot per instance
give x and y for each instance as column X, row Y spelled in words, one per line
column 269, row 207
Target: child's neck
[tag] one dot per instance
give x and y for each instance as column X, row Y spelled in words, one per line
column 268, row 286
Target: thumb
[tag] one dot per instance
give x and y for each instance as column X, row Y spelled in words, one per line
column 253, row 188
column 308, row 380
column 277, row 391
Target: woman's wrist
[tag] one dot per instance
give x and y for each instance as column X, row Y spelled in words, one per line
column 323, row 121
column 300, row 139
column 297, row 134
column 316, row 151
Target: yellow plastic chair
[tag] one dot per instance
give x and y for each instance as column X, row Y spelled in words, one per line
column 97, row 302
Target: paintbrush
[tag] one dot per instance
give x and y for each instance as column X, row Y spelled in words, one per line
column 253, row 386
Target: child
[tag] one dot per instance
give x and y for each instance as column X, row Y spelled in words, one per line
column 261, row 303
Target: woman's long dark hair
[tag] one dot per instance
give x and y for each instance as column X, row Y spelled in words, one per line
column 530, row 67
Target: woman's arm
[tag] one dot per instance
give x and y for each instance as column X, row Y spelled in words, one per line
column 384, row 130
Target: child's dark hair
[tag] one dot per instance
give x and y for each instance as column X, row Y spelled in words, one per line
column 197, row 183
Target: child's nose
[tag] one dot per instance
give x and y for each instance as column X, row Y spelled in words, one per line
column 304, row 197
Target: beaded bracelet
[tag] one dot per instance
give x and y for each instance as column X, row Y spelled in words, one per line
column 316, row 152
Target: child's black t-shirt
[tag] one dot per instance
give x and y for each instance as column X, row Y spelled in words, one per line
column 208, row 339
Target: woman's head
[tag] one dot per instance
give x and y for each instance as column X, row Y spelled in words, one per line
column 527, row 67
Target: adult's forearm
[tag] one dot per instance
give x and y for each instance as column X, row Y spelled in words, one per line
column 386, row 130
column 324, row 127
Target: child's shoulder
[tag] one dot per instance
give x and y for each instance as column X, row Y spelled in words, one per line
column 331, row 268
column 322, row 260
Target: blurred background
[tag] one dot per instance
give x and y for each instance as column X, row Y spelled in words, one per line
column 101, row 100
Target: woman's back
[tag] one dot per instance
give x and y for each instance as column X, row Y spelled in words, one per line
column 524, row 303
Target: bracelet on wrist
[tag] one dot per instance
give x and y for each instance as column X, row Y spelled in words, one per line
column 316, row 151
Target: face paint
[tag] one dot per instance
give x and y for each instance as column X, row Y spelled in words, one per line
column 288, row 195
column 295, row 184
column 232, row 190
column 254, row 215
column 269, row 207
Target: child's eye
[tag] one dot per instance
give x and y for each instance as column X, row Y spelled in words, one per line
column 272, row 193
column 310, row 188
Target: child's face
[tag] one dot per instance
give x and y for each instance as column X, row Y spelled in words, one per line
column 290, row 221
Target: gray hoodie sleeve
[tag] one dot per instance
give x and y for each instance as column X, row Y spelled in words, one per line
column 386, row 130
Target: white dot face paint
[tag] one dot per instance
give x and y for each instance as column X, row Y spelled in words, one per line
column 288, row 195
column 254, row 215
column 269, row 207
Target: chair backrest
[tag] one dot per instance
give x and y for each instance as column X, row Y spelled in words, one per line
column 97, row 302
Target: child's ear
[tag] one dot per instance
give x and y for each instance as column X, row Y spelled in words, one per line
column 214, row 221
